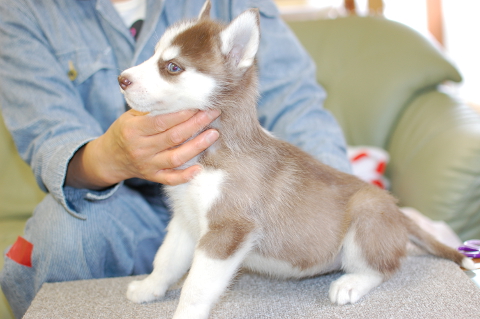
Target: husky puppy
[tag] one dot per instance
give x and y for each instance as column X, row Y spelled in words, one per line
column 259, row 203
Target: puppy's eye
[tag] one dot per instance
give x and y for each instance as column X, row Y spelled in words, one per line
column 173, row 68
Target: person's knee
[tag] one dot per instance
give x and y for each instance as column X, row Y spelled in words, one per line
column 70, row 248
column 117, row 236
column 64, row 248
column 56, row 250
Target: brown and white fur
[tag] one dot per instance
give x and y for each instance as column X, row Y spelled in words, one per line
column 259, row 203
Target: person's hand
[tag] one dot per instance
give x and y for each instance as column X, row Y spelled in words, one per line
column 143, row 146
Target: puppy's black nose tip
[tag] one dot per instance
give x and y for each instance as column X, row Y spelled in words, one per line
column 124, row 82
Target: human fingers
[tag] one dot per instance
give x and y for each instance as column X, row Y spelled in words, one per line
column 152, row 125
column 127, row 153
column 177, row 176
column 179, row 156
column 182, row 132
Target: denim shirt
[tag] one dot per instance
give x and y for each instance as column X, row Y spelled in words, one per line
column 58, row 79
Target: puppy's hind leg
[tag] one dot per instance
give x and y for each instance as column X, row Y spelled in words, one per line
column 171, row 262
column 373, row 246
column 359, row 278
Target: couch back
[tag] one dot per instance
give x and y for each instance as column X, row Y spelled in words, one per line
column 371, row 68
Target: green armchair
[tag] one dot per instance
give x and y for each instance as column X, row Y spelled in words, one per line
column 382, row 82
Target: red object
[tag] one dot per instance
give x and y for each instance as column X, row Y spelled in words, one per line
column 21, row 252
column 381, row 167
column 378, row 183
column 133, row 32
column 359, row 156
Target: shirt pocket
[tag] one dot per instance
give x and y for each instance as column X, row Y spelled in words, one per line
column 93, row 76
column 82, row 63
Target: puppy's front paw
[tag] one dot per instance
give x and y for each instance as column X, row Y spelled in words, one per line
column 351, row 287
column 145, row 291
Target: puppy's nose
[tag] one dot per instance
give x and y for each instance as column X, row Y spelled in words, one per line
column 124, row 82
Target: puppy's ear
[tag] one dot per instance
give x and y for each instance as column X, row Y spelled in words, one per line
column 205, row 12
column 241, row 38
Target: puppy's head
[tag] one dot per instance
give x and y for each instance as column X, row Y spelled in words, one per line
column 194, row 62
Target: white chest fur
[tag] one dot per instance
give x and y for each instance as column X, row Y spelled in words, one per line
column 192, row 201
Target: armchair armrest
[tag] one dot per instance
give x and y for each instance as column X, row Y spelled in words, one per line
column 19, row 193
column 435, row 161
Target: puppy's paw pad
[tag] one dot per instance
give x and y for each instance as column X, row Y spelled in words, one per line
column 144, row 291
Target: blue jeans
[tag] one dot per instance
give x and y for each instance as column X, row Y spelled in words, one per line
column 118, row 237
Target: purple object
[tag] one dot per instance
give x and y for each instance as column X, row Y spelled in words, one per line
column 470, row 248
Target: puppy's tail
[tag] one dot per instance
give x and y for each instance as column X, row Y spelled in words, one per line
column 427, row 242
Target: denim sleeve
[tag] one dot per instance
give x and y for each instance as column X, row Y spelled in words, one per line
column 291, row 102
column 41, row 106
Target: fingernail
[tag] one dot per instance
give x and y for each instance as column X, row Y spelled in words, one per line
column 195, row 173
column 213, row 113
column 211, row 136
column 188, row 112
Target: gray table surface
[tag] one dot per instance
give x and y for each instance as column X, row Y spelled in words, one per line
column 425, row 287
